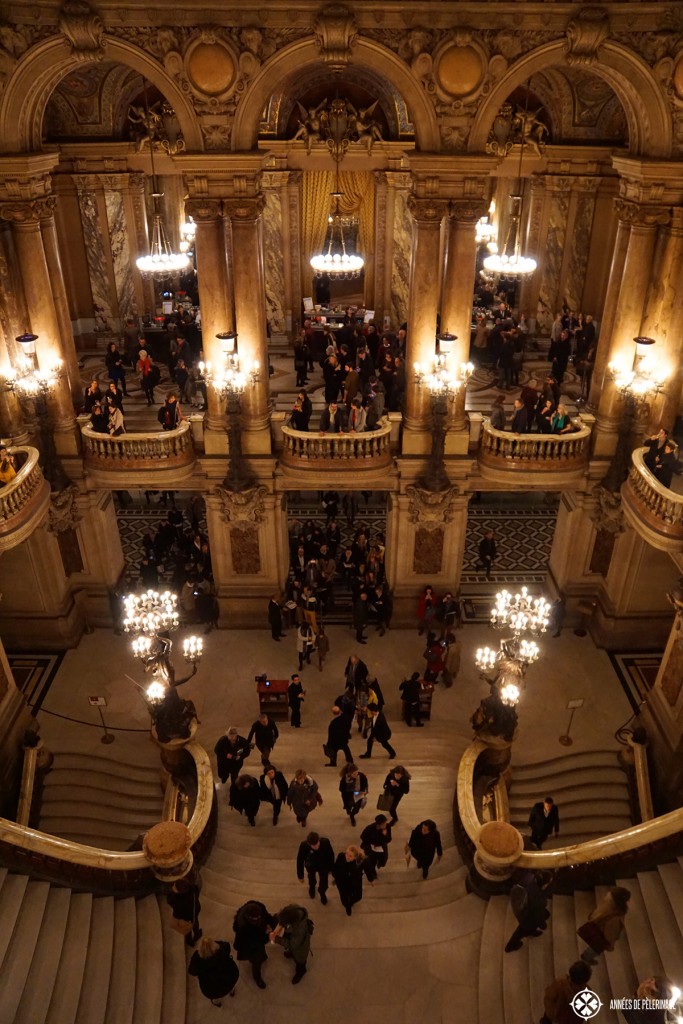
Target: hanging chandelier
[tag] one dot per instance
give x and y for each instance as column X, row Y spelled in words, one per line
column 644, row 379
column 510, row 262
column 336, row 262
column 161, row 260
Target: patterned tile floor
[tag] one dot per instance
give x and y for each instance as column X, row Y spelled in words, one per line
column 523, row 538
column 138, row 519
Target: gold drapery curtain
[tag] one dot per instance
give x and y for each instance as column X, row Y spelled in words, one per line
column 316, row 204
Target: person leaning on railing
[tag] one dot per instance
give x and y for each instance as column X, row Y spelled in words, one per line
column 7, row 467
column 333, row 420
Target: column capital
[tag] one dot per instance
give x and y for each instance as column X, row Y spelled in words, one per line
column 558, row 183
column 467, row 211
column 427, row 212
column 203, row 210
column 641, row 214
column 28, row 212
column 86, row 182
column 244, row 209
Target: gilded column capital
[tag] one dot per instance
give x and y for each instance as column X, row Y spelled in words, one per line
column 204, row 210
column 86, row 182
column 32, row 211
column 115, row 182
column 641, row 215
column 244, row 209
column 558, row 183
column 427, row 212
column 467, row 211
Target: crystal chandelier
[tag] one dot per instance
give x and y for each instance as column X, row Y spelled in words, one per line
column 442, row 379
column 520, row 612
column 644, row 379
column 161, row 260
column 27, row 378
column 188, row 230
column 229, row 380
column 338, row 264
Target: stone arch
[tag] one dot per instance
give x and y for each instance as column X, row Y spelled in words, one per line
column 43, row 66
column 304, row 53
column 647, row 113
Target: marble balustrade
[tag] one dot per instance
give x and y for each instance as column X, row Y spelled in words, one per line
column 371, row 449
column 660, row 506
column 24, row 500
column 162, row 449
column 503, row 449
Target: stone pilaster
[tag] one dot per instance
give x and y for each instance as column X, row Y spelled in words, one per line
column 531, row 284
column 558, row 190
column 54, row 265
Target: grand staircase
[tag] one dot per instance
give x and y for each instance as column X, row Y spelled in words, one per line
column 99, row 801
column 590, row 790
column 71, row 958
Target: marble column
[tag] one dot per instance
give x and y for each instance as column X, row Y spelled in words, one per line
column 250, row 317
column 423, row 307
column 138, row 240
column 276, row 264
column 54, row 265
column 628, row 317
column 90, row 200
column 383, row 217
column 579, row 223
column 291, row 216
column 115, row 189
column 663, row 320
column 530, row 284
column 662, row 716
column 33, row 267
column 400, row 240
column 610, row 309
column 456, row 305
column 215, row 303
column 549, row 298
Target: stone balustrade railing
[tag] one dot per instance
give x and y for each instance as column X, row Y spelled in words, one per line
column 164, row 449
column 501, row 449
column 654, row 507
column 24, row 499
column 369, row 449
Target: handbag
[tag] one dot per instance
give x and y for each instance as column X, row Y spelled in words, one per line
column 591, row 933
column 181, row 926
column 385, row 801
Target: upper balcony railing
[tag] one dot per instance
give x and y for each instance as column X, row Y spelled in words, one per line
column 165, row 449
column 24, row 499
column 652, row 509
column 545, row 453
column 370, row 449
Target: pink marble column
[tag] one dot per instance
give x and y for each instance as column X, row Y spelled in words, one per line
column 49, row 232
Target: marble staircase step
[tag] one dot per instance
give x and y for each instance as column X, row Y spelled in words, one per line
column 131, row 815
column 25, row 937
column 92, row 1005
column 619, row 962
column 566, row 762
column 70, row 825
column 562, row 925
column 66, row 990
column 44, row 964
column 639, row 932
column 13, row 890
column 516, row 1001
column 94, row 763
column 541, row 970
column 672, row 879
column 565, row 781
column 150, row 961
column 74, row 779
column 666, row 931
column 121, row 999
column 174, row 995
column 493, row 939
column 87, row 795
column 584, row 903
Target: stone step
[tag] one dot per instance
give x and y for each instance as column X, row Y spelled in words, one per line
column 92, row 1005
column 584, row 903
column 664, row 926
column 75, row 778
column 67, row 987
column 672, row 879
column 130, row 815
column 92, row 832
column 150, row 961
column 566, row 762
column 493, row 939
column 559, row 784
column 121, row 1001
column 25, row 937
column 619, row 963
column 562, row 925
column 46, row 958
column 576, row 806
column 96, row 763
column 13, row 889
column 611, row 821
column 86, row 795
column 174, row 996
column 516, row 1003
column 639, row 933
column 541, row 970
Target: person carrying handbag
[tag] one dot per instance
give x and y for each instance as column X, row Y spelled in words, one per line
column 183, row 899
column 303, row 796
column 605, row 924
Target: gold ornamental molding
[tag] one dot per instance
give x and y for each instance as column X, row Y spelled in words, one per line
column 427, row 211
column 641, row 215
column 28, row 212
column 585, row 35
column 431, row 509
column 243, row 210
column 336, row 32
column 465, row 211
column 84, row 29
column 242, row 506
column 204, row 211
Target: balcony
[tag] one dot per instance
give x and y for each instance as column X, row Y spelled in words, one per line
column 655, row 511
column 155, row 456
column 23, row 501
column 550, row 459
column 336, row 453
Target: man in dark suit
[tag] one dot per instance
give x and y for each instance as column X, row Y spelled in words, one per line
column 380, row 730
column 544, row 817
column 338, row 736
column 317, row 857
column 273, row 786
column 333, row 420
column 356, row 672
column 264, row 733
column 519, row 419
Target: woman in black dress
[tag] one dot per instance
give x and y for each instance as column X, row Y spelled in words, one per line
column 216, row 971
column 348, row 877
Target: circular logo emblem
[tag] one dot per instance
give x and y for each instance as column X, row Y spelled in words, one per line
column 586, row 1004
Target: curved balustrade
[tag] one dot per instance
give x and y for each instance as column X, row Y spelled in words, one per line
column 167, row 449
column 652, row 509
column 106, row 870
column 369, row 449
column 631, row 849
column 545, row 453
column 24, row 500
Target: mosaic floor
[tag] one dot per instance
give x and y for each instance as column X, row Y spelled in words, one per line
column 137, row 520
column 523, row 538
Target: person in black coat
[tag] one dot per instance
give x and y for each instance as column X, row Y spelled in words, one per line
column 374, row 841
column 410, row 695
column 353, row 787
column 273, row 787
column 487, row 552
column 356, row 671
column 275, row 617
column 338, row 736
column 529, row 905
column 520, row 420
column 295, row 698
column 333, row 420
column 396, row 784
column 252, row 927
column 317, row 857
column 245, row 797
column 348, row 877
column 183, row 899
column 380, row 730
column 216, row 971
column 264, row 732
column 544, row 817
column 231, row 751
column 424, row 844
column 360, row 616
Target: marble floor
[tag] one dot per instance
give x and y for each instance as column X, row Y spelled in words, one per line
column 409, row 965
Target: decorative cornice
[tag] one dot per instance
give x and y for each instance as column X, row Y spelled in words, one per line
column 641, row 215
column 431, row 509
column 84, row 30
column 28, row 212
column 427, row 211
column 585, row 35
column 246, row 209
column 335, row 34
column 242, row 506
column 204, row 211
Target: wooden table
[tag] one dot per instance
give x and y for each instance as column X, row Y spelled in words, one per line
column 272, row 698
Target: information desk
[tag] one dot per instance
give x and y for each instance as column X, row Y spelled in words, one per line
column 426, row 691
column 272, row 699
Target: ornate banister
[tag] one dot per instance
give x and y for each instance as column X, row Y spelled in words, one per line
column 163, row 449
column 651, row 508
column 369, row 449
column 501, row 449
column 101, row 870
column 24, row 500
